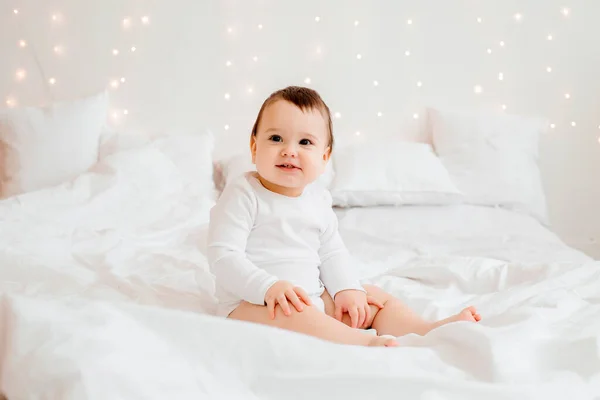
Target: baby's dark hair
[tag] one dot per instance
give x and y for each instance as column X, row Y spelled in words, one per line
column 303, row 98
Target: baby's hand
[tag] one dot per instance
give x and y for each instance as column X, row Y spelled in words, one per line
column 356, row 304
column 281, row 292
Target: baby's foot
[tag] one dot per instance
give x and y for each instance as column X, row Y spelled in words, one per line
column 468, row 314
column 387, row 341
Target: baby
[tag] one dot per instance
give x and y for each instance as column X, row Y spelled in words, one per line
column 274, row 245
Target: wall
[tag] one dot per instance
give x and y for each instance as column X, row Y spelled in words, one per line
column 209, row 64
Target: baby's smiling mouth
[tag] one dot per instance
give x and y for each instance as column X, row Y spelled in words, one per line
column 287, row 166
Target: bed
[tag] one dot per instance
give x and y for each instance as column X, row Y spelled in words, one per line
column 106, row 294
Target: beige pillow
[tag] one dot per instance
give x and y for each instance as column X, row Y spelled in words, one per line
column 46, row 146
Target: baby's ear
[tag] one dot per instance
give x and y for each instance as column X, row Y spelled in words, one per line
column 253, row 148
column 327, row 154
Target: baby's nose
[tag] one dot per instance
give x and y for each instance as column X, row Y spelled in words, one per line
column 289, row 151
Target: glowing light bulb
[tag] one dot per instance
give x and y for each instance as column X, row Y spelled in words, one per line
column 357, row 133
column 52, row 81
column 22, row 43
column 127, row 23
column 338, row 115
column 115, row 52
column 550, row 37
column 133, row 49
column 11, row 102
column 573, row 123
column 15, row 11
column 598, row 139
column 21, row 74
column 379, row 114
column 114, row 84
column 407, row 53
column 518, row 16
column 409, row 22
column 54, row 17
column 260, row 26
column 145, row 20
column 502, row 43
column 122, row 80
column 552, row 126
column 375, row 83
column 227, row 96
column 356, row 23
column 255, row 58
column 318, row 50
column 228, row 63
column 126, row 112
column 416, row 116
column 478, row 89
column 307, row 80
column 58, row 49
column 501, row 76
column 229, row 30
column 250, row 90
column 549, row 69
column 479, row 20
column 567, row 96
column 317, row 19
column 504, row 106
column 226, row 127
column 419, row 84
column 566, row 11
column 359, row 56
column 489, row 51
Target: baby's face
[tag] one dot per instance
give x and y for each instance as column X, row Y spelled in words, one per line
column 291, row 148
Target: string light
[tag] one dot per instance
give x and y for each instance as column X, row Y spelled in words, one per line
column 359, row 56
column 250, row 90
column 501, row 43
column 549, row 69
column 567, row 96
column 226, row 127
column 15, row 11
column 126, row 112
column 375, row 83
column 550, row 37
column 337, row 115
column 318, row 50
column 552, row 126
column 11, row 102
column 500, row 76
column 260, row 26
column 479, row 20
column 145, row 20
column 227, row 96
column 573, row 124
column 56, row 17
column 379, row 114
column 133, row 49
column 416, row 116
column 518, row 17
column 127, row 23
column 228, row 63
column 58, row 49
column 478, row 89
column 22, row 43
column 356, row 23
column 357, row 133
column 409, row 22
column 115, row 52
column 307, row 81
column 489, row 51
column 419, row 84
column 566, row 11
column 122, row 80
column 407, row 53
column 229, row 30
column 114, row 84
column 255, row 58
column 21, row 74
column 52, row 81
column 504, row 107
column 317, row 19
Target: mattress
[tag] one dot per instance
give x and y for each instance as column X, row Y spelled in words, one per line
column 105, row 302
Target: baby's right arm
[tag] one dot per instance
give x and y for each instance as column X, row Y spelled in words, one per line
column 231, row 221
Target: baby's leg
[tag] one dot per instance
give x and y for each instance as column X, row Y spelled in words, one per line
column 310, row 321
column 395, row 318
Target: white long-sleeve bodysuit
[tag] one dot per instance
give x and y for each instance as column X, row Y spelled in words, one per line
column 257, row 237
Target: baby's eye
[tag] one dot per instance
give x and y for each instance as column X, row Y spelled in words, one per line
column 305, row 142
column 276, row 138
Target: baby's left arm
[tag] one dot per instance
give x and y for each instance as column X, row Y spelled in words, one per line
column 337, row 272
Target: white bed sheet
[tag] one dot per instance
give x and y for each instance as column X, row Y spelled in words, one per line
column 104, row 302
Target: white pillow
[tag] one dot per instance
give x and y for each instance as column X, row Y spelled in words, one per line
column 492, row 158
column 234, row 166
column 45, row 146
column 390, row 172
